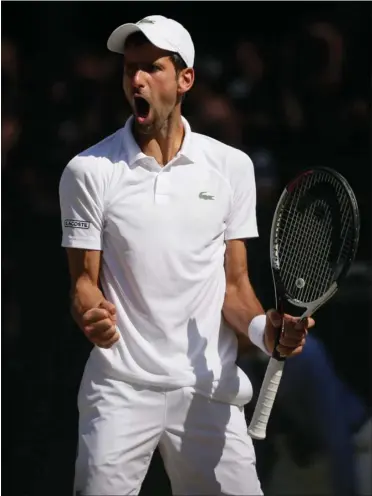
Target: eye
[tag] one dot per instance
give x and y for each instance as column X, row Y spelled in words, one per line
column 153, row 68
column 129, row 69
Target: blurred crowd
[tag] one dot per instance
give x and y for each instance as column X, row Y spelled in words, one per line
column 297, row 101
column 300, row 100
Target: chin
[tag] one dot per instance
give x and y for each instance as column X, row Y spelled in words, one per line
column 145, row 128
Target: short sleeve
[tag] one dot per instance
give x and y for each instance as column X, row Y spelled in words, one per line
column 82, row 206
column 242, row 221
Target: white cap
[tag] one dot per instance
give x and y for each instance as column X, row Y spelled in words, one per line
column 162, row 32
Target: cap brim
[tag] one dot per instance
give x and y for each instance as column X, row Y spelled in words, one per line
column 116, row 41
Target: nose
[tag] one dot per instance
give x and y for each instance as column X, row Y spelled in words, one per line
column 138, row 79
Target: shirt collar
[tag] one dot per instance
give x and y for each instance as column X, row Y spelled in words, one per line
column 135, row 154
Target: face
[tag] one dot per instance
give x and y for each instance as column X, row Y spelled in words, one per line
column 152, row 85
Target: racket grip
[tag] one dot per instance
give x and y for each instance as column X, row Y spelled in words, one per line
column 266, row 398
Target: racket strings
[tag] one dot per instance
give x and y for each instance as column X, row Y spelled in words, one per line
column 323, row 243
column 307, row 260
column 315, row 251
column 307, row 243
column 315, row 246
column 321, row 278
column 320, row 244
column 305, row 239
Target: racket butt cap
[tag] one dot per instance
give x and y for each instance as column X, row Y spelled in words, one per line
column 258, row 434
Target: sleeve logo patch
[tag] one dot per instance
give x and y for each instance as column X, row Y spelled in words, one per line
column 77, row 224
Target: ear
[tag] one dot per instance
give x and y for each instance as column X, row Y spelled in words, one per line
column 185, row 80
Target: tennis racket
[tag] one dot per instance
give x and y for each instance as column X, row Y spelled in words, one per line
column 314, row 238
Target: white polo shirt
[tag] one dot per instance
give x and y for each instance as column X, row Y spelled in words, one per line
column 162, row 232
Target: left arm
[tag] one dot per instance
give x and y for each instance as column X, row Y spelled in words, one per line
column 241, row 304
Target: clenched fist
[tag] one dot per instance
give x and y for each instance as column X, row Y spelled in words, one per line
column 99, row 325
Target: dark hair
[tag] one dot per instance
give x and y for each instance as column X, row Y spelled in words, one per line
column 138, row 38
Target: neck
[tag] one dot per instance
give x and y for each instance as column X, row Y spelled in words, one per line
column 165, row 143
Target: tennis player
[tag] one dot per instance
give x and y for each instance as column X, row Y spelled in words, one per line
column 154, row 220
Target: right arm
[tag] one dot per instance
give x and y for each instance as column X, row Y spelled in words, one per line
column 84, row 266
column 95, row 316
column 81, row 194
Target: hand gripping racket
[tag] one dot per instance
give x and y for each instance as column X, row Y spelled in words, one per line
column 314, row 237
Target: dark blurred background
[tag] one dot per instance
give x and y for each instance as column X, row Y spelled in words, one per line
column 289, row 83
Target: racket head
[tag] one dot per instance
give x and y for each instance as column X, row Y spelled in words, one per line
column 314, row 237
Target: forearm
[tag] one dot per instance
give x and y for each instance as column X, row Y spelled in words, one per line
column 242, row 309
column 84, row 296
column 241, row 305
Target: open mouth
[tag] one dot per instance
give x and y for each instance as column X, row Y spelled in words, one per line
column 142, row 107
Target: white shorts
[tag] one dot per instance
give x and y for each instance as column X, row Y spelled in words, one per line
column 204, row 443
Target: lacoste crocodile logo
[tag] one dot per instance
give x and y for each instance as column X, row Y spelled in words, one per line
column 204, row 195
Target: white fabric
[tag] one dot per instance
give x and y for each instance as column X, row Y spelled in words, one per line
column 162, row 231
column 160, row 31
column 256, row 332
column 204, row 444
